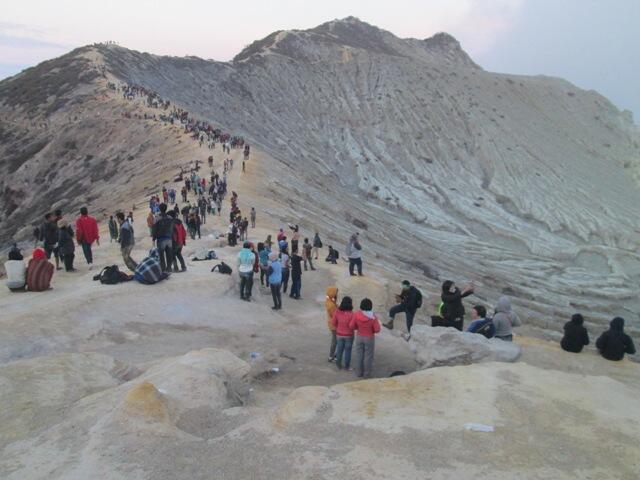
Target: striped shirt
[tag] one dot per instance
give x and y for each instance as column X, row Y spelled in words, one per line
column 39, row 273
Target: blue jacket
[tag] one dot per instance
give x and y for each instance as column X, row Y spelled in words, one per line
column 263, row 255
column 275, row 270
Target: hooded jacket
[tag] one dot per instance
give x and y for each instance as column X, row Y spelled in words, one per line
column 366, row 323
column 505, row 318
column 452, row 307
column 246, row 259
column 330, row 305
column 575, row 335
column 614, row 343
column 86, row 229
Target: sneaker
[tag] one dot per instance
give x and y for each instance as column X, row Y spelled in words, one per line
column 406, row 336
column 349, row 369
column 274, row 308
column 332, row 359
column 388, row 325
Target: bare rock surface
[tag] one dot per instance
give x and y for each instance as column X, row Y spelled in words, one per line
column 440, row 346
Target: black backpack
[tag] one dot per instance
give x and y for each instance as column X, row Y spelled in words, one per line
column 109, row 275
column 223, row 268
column 487, row 329
column 418, row 298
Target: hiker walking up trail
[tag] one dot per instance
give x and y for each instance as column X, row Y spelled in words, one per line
column 49, row 238
column 342, row 321
column 409, row 301
column 127, row 241
column 66, row 245
column 354, row 254
column 296, row 274
column 614, row 343
column 367, row 325
column 246, row 261
column 179, row 241
column 331, row 305
column 317, row 245
column 253, row 217
column 452, row 308
column 306, row 254
column 87, row 233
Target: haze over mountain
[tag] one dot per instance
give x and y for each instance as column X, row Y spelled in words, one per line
column 528, row 185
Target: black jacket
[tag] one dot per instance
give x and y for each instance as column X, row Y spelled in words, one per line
column 614, row 343
column 453, row 307
column 163, row 227
column 410, row 298
column 296, row 269
column 49, row 233
column 65, row 241
column 575, row 337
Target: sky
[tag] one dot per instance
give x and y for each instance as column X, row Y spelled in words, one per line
column 592, row 43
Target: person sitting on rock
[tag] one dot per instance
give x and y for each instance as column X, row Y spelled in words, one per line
column 614, row 343
column 575, row 334
column 409, row 300
column 452, row 309
column 16, row 270
column 480, row 323
column 39, row 272
column 505, row 319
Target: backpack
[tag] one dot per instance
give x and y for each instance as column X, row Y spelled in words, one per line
column 418, row 298
column 223, row 268
column 109, row 275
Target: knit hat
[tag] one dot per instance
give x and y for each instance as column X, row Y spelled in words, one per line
column 38, row 254
column 273, row 256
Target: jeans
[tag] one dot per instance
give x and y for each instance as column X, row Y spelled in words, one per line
column 275, row 294
column 408, row 313
column 246, row 284
column 285, row 279
column 177, row 257
column 296, row 286
column 355, row 262
column 310, row 263
column 126, row 256
column 344, row 347
column 365, row 347
column 334, row 341
column 68, row 261
column 165, row 251
column 88, row 254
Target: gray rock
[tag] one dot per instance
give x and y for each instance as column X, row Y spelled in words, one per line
column 440, row 346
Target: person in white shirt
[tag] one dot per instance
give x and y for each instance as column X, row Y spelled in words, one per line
column 16, row 270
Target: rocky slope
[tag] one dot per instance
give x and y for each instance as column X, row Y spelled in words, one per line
column 523, row 184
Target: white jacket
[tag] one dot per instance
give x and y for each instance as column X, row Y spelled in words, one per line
column 16, row 273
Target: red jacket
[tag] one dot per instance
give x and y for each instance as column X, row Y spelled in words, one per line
column 86, row 229
column 179, row 234
column 340, row 322
column 366, row 327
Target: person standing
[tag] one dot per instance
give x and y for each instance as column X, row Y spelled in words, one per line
column 367, row 325
column 151, row 219
column 179, row 241
column 331, row 305
column 49, row 237
column 306, row 254
column 285, row 260
column 452, row 308
column 409, row 300
column 317, row 245
column 296, row 274
column 113, row 229
column 127, row 241
column 354, row 253
column 246, row 260
column 163, row 236
column 66, row 245
column 341, row 321
column 253, row 217
column 274, row 274
column 87, row 233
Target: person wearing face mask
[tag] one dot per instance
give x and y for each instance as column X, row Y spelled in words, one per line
column 452, row 308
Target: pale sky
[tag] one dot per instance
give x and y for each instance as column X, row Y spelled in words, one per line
column 592, row 43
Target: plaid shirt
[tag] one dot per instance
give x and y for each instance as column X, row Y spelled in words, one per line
column 148, row 271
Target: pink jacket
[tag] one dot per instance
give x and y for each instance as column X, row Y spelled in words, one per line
column 341, row 323
column 366, row 327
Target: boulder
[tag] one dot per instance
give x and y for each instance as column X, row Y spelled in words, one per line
column 440, row 346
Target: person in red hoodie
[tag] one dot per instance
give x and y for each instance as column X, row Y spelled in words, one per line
column 367, row 325
column 87, row 233
column 341, row 323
